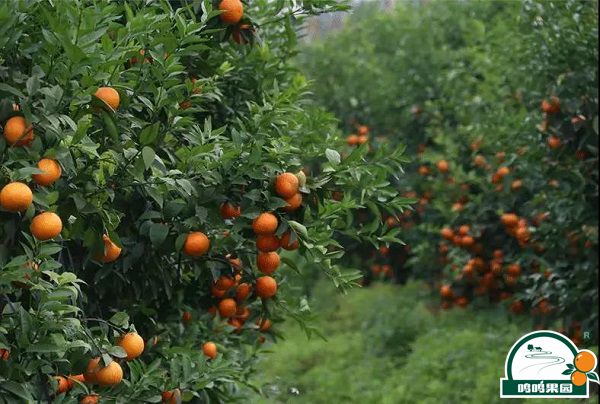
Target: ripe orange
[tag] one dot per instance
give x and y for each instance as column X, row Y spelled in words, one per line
column 479, row 160
column 424, row 170
column 263, row 324
column 551, row 106
column 266, row 287
column 235, row 262
column 16, row 197
column 585, row 361
column 17, row 132
column 235, row 323
column 265, row 223
column 554, row 142
column 285, row 242
column 52, row 172
column 286, row 185
column 46, row 226
column 443, row 166
column 362, row 139
column 90, row 399
column 516, row 185
column 242, row 313
column 267, row 243
column 503, row 171
column 462, row 301
column 4, row 354
column 227, row 307
column 229, row 211
column 352, row 140
column 446, row 291
column 186, row 317
column 216, row 292
column 514, row 270
column 267, row 262
column 236, row 34
column 233, row 11
column 210, row 349
column 63, row 384
column 578, row 378
column 467, row 241
column 109, row 95
column 463, row 230
column 447, row 233
column 72, row 378
column 196, row 244
column 103, row 375
column 171, row 397
column 509, row 219
column 111, row 250
column 293, row 203
column 243, row 291
column 133, row 345
column 224, row 283
column 363, row 130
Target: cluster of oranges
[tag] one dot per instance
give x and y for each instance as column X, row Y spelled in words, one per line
column 517, row 227
column 362, row 137
column 96, row 373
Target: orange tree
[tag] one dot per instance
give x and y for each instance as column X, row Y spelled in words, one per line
column 155, row 158
column 502, row 116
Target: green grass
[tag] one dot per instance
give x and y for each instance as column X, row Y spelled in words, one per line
column 390, row 344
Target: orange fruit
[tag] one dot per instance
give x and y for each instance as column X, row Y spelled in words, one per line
column 267, row 243
column 243, row 291
column 109, row 95
column 236, row 34
column 212, row 310
column 171, row 397
column 186, row 317
column 467, row 241
column 462, row 301
column 224, row 283
column 133, row 345
column 196, row 244
column 46, row 226
column 362, row 139
column 554, row 142
column 265, row 223
column 233, row 11
column 72, row 378
column 286, row 185
column 4, row 354
column 503, row 171
column 242, row 313
column 90, row 399
column 446, row 291
column 51, row 172
column 363, row 130
column 578, row 378
column 463, row 230
column 16, row 197
column 509, row 219
column 216, row 292
column 229, row 211
column 551, row 106
column 293, row 203
column 210, row 349
column 352, row 140
column 17, row 132
column 516, row 185
column 424, row 170
column 103, row 375
column 266, row 287
column 235, row 323
column 447, row 233
column 263, row 324
column 227, row 307
column 111, row 250
column 443, row 166
column 514, row 269
column 267, row 262
column 585, row 361
column 479, row 160
column 63, row 384
column 517, row 307
column 285, row 242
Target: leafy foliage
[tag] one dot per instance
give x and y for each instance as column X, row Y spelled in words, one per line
column 462, row 85
column 202, row 121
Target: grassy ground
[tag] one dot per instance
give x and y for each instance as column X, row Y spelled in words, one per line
column 387, row 344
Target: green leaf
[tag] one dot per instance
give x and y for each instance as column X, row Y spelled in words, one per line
column 149, row 134
column 333, row 156
column 120, row 319
column 148, row 155
column 18, row 389
column 158, row 233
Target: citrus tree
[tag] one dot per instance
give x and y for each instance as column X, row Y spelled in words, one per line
column 502, row 117
column 156, row 158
